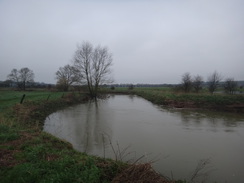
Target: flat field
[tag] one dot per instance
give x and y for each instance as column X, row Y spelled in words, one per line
column 9, row 97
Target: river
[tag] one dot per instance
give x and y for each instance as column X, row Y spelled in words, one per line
column 175, row 140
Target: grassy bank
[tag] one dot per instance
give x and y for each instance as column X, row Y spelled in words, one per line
column 34, row 156
column 167, row 97
column 29, row 155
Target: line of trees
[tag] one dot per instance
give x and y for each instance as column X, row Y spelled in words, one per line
column 189, row 83
column 91, row 66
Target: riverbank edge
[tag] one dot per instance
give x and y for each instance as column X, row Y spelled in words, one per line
column 225, row 103
column 26, row 120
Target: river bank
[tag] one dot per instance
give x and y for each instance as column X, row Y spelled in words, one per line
column 169, row 98
column 30, row 155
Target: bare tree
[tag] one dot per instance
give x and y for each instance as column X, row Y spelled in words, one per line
column 94, row 64
column 66, row 76
column 213, row 81
column 197, row 83
column 25, row 76
column 131, row 87
column 14, row 76
column 186, row 82
column 230, row 85
column 22, row 77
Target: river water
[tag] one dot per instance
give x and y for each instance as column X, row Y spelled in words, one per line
column 175, row 140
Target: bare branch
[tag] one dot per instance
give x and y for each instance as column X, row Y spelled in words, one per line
column 66, row 76
column 94, row 64
column 14, row 76
column 197, row 83
column 213, row 81
column 21, row 77
column 230, row 85
column 186, row 82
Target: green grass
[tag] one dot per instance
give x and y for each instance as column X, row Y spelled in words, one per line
column 29, row 155
column 7, row 134
column 10, row 98
column 36, row 156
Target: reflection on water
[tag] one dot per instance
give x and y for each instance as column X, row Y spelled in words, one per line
column 213, row 120
column 82, row 126
column 179, row 137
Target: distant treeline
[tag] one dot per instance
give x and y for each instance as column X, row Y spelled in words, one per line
column 140, row 85
column 11, row 84
column 240, row 83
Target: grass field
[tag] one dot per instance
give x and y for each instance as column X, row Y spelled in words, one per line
column 29, row 155
column 9, row 98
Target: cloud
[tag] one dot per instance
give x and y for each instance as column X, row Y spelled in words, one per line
column 151, row 41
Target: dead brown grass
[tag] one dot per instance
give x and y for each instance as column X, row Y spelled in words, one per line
column 140, row 173
column 7, row 156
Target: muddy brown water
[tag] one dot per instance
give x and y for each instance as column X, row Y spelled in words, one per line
column 176, row 140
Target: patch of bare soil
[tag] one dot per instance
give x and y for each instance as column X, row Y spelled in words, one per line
column 7, row 156
column 140, row 173
column 236, row 107
column 181, row 104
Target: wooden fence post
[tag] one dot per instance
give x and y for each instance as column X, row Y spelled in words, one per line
column 22, row 99
column 48, row 97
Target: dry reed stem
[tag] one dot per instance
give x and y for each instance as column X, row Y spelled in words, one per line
column 140, row 173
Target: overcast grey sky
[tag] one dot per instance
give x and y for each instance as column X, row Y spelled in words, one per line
column 152, row 41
